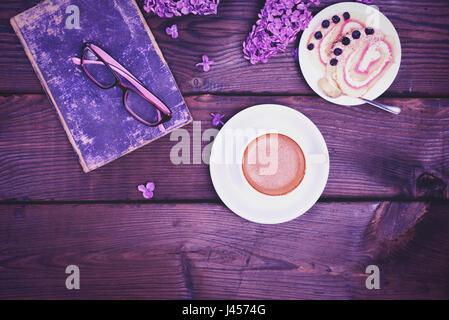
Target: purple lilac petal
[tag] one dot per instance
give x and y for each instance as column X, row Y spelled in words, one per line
column 147, row 190
column 206, row 63
column 171, row 8
column 150, row 186
column 172, row 31
column 216, row 121
column 148, row 194
column 279, row 23
column 295, row 53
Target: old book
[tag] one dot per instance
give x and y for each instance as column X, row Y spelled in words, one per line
column 95, row 120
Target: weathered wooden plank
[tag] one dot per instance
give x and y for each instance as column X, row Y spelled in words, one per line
column 203, row 251
column 422, row 25
column 372, row 153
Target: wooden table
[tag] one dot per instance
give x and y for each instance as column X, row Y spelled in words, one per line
column 386, row 202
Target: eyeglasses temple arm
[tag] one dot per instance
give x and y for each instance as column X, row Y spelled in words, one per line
column 111, row 61
column 136, row 83
column 77, row 61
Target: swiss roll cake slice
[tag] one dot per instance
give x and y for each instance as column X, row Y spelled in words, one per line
column 359, row 60
column 323, row 38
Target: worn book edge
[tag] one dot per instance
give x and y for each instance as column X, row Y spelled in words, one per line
column 47, row 90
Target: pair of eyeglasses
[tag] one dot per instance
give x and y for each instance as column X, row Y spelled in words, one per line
column 107, row 73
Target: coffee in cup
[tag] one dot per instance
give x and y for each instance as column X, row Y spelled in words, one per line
column 274, row 164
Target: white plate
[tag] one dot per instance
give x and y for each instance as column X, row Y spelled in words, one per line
column 385, row 25
column 226, row 164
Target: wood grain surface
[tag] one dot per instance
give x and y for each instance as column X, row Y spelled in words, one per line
column 203, row 251
column 372, row 154
column 422, row 26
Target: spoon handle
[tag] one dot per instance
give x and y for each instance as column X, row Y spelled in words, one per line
column 391, row 109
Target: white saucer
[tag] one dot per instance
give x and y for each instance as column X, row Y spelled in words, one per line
column 226, row 164
column 312, row 76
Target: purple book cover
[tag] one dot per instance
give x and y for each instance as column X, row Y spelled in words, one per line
column 98, row 126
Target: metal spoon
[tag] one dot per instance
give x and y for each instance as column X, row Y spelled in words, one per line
column 391, row 109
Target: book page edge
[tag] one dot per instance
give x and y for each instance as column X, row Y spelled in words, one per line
column 48, row 92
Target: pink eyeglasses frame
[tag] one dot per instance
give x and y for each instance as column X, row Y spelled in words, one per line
column 164, row 113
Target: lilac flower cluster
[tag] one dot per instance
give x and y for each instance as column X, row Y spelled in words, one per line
column 171, row 8
column 279, row 23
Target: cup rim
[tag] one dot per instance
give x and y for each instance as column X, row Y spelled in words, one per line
column 242, row 174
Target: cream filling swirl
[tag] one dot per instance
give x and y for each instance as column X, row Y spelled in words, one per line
column 375, row 52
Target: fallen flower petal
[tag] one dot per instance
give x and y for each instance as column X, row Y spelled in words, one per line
column 141, row 188
column 216, row 121
column 172, row 31
column 147, row 190
column 206, row 63
column 150, row 186
column 295, row 53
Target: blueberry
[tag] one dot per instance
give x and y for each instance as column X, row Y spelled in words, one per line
column 336, row 19
column 311, row 46
column 346, row 15
column 338, row 51
column 325, row 24
column 318, row 35
column 369, row 31
column 345, row 41
column 334, row 62
column 356, row 34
